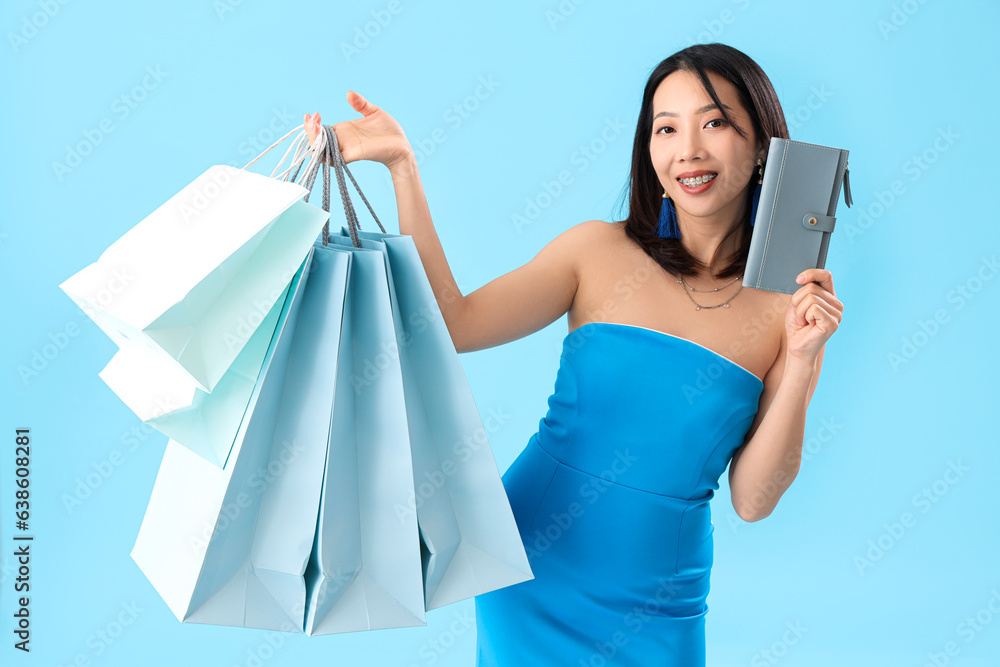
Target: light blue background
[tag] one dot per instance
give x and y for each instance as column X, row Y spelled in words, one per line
column 886, row 80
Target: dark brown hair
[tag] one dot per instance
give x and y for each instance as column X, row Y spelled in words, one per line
column 643, row 189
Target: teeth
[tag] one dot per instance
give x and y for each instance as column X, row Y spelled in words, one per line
column 698, row 180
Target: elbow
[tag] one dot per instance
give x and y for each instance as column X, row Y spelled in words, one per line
column 456, row 341
column 758, row 504
column 751, row 511
column 458, row 337
column 460, row 345
column 453, row 319
column 751, row 517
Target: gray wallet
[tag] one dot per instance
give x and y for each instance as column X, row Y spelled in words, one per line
column 795, row 213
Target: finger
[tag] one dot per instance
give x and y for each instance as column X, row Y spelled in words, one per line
column 803, row 294
column 814, row 300
column 821, row 277
column 360, row 104
column 339, row 129
column 821, row 318
column 309, row 122
column 316, row 123
column 312, row 127
column 819, row 305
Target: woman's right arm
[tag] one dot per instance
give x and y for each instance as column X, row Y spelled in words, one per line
column 511, row 306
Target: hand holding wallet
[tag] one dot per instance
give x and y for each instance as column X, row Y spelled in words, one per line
column 795, row 213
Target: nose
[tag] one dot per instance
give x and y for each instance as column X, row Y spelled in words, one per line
column 692, row 147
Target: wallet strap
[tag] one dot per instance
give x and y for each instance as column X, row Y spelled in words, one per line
column 819, row 222
column 847, row 186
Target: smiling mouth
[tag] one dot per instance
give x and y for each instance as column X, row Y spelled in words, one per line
column 697, row 180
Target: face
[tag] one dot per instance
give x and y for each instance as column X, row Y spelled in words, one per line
column 692, row 141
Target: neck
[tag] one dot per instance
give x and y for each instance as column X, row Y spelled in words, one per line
column 706, row 237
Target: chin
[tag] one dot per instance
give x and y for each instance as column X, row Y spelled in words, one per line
column 703, row 210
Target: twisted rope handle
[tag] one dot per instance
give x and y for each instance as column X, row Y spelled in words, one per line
column 336, row 158
column 340, row 166
column 326, row 152
column 297, row 159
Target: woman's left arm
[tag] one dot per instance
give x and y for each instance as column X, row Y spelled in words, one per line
column 767, row 463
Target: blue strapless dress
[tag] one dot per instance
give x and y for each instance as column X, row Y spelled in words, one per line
column 611, row 498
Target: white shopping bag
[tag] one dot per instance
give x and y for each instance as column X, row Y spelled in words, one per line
column 168, row 399
column 192, row 278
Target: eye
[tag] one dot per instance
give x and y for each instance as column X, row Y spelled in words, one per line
column 721, row 123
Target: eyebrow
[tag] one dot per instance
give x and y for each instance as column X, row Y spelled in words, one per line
column 698, row 111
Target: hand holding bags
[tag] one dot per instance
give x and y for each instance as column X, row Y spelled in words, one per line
column 314, row 525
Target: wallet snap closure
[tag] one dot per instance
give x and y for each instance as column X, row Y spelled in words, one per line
column 822, row 223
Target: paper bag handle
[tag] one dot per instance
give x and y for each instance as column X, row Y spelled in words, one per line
column 330, row 148
column 327, row 146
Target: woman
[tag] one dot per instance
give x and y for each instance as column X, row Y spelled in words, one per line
column 671, row 371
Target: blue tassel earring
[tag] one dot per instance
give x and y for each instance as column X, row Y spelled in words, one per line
column 668, row 219
column 756, row 191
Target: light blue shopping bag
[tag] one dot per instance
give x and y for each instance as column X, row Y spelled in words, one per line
column 466, row 523
column 365, row 569
column 470, row 537
column 198, row 529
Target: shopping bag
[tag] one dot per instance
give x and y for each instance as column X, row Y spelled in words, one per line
column 200, row 520
column 313, row 523
column 238, row 552
column 285, row 530
column 365, row 568
column 191, row 278
column 233, row 549
column 472, row 543
column 364, row 571
column 164, row 394
column 470, row 537
column 170, row 401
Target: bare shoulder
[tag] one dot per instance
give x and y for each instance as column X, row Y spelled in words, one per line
column 600, row 245
column 596, row 231
column 583, row 239
column 593, row 227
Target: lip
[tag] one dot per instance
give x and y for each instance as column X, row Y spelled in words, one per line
column 701, row 188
